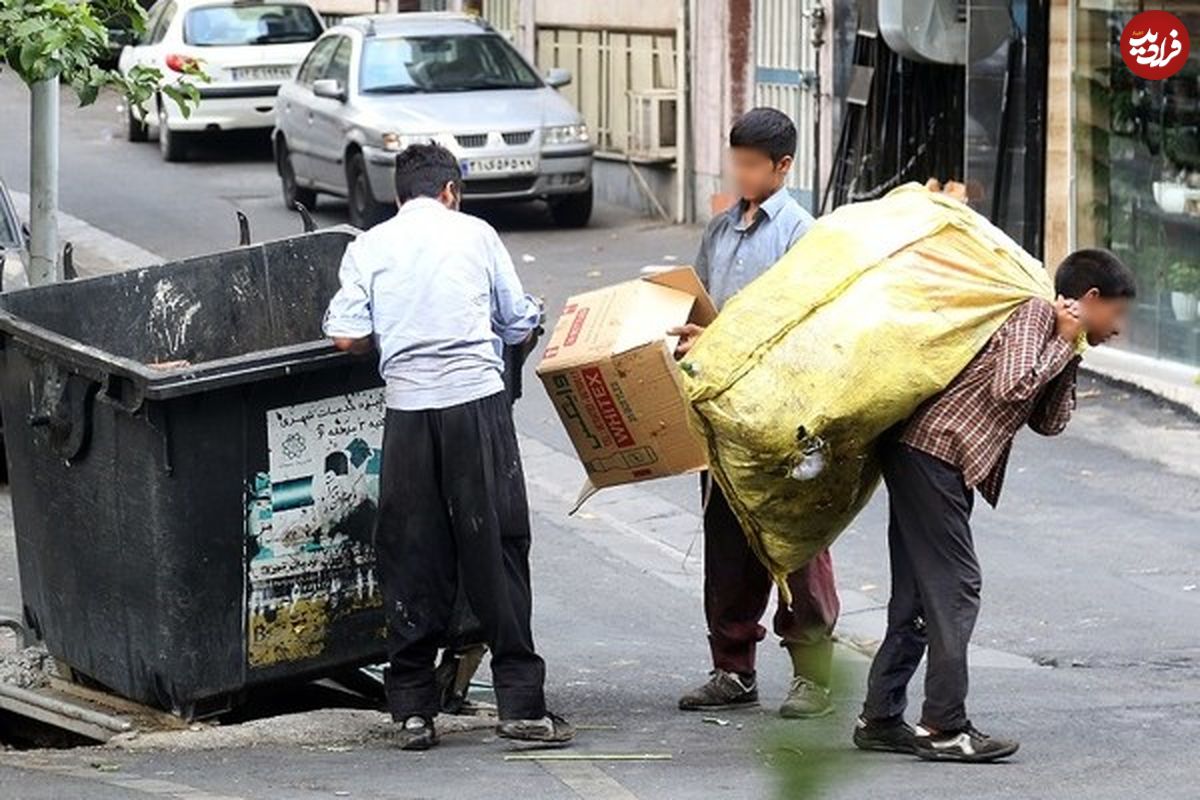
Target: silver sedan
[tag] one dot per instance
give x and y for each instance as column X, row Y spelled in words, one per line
column 374, row 85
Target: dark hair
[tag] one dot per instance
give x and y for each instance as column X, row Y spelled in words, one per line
column 767, row 130
column 422, row 170
column 1097, row 269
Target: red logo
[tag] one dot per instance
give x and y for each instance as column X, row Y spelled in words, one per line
column 1155, row 45
column 576, row 327
column 611, row 415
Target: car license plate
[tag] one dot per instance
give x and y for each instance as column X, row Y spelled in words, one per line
column 499, row 165
column 268, row 72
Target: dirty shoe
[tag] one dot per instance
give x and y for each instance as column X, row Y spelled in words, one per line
column 549, row 731
column 417, row 733
column 884, row 735
column 965, row 745
column 806, row 700
column 724, row 690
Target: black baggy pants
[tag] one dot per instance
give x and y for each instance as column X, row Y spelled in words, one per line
column 935, row 589
column 452, row 506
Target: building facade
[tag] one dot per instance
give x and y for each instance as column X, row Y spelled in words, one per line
column 1130, row 178
column 1057, row 142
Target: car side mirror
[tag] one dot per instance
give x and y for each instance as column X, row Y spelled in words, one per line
column 558, row 77
column 329, row 88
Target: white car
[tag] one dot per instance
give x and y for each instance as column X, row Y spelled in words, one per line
column 247, row 48
column 374, row 85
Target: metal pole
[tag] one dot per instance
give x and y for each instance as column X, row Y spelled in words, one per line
column 818, row 39
column 43, row 184
column 682, row 133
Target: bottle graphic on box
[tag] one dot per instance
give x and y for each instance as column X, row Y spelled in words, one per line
column 626, row 459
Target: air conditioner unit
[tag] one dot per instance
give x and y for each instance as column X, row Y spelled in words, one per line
column 652, row 124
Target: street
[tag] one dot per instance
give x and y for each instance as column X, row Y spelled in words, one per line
column 1087, row 650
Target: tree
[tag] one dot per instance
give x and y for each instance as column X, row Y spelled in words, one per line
column 48, row 42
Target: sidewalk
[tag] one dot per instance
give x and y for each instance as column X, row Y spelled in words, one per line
column 1173, row 382
column 96, row 252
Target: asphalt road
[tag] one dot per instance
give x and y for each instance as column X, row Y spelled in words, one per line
column 1089, row 641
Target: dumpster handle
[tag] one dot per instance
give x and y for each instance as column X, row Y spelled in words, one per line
column 305, row 217
column 64, row 408
column 243, row 229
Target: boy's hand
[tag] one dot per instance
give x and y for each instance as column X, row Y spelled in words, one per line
column 687, row 337
column 1068, row 323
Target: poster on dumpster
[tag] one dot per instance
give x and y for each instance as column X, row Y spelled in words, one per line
column 309, row 521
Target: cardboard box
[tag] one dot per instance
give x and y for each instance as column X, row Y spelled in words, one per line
column 610, row 370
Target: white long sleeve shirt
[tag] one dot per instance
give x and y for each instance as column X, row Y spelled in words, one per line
column 439, row 292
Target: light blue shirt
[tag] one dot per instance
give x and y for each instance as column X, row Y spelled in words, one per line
column 438, row 291
column 732, row 253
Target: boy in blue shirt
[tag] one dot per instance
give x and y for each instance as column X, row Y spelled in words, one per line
column 739, row 245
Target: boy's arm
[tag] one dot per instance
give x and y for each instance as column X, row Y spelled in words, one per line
column 348, row 318
column 514, row 313
column 688, row 332
column 1031, row 353
column 701, row 266
column 1053, row 409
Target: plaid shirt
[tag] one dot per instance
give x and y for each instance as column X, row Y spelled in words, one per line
column 1025, row 374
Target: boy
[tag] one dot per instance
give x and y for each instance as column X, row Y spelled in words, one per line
column 957, row 442
column 438, row 293
column 738, row 246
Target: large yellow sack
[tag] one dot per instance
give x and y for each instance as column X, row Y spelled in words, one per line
column 874, row 311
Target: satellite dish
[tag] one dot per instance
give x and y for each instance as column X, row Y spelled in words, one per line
column 936, row 31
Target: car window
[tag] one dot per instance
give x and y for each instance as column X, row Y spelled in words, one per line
column 240, row 24
column 339, row 65
column 443, row 64
column 318, row 58
column 10, row 227
column 159, row 30
column 152, row 19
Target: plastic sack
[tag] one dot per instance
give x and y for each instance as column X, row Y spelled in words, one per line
column 871, row 313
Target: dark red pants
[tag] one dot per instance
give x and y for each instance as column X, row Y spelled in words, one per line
column 737, row 589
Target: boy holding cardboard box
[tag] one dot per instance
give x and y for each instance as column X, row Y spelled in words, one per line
column 739, row 245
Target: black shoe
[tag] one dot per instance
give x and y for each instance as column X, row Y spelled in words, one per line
column 723, row 690
column 884, row 736
column 967, row 745
column 417, row 733
column 549, row 731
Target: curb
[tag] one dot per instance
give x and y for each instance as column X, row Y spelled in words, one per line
column 1177, row 385
column 97, row 252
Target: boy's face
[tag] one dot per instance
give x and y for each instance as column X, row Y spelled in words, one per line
column 1103, row 317
column 756, row 176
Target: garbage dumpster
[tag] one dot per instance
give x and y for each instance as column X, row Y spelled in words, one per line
column 194, row 473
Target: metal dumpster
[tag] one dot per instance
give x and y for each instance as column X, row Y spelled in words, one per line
column 194, row 474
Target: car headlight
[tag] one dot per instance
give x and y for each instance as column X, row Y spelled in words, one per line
column 565, row 134
column 395, row 142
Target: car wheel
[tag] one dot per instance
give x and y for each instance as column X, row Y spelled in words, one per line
column 135, row 129
column 365, row 211
column 293, row 193
column 172, row 144
column 573, row 210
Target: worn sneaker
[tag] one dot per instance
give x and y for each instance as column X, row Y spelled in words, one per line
column 806, row 700
column 549, row 731
column 723, row 690
column 884, row 736
column 417, row 733
column 967, row 745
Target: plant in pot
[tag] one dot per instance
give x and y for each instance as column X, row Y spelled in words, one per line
column 1183, row 279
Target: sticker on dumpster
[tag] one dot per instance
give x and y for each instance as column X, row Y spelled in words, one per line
column 309, row 521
